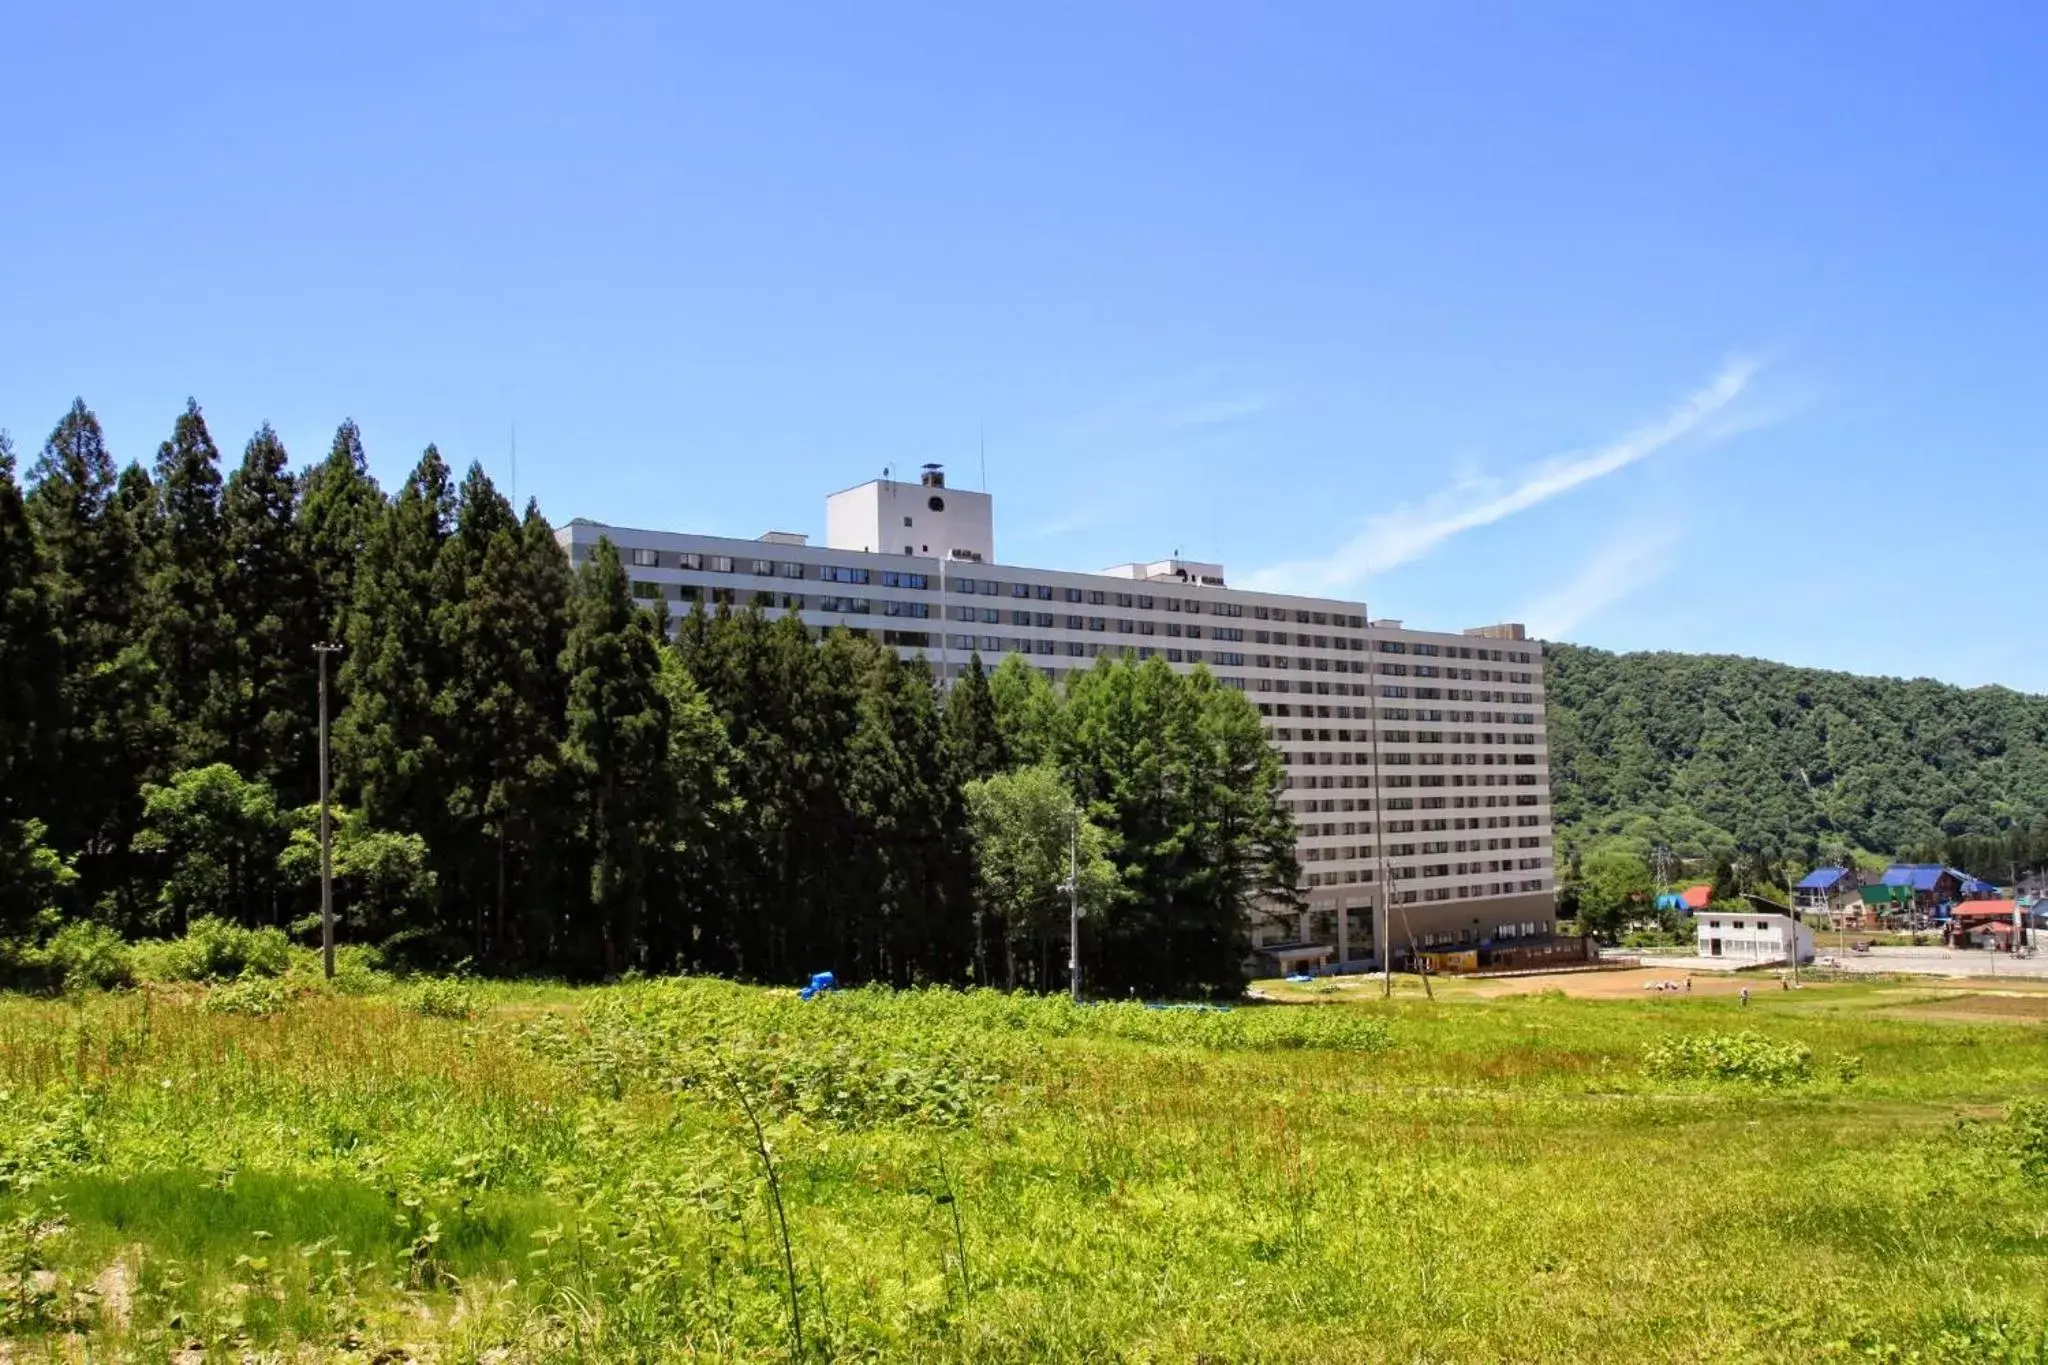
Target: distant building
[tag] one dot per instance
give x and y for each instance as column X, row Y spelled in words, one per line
column 1417, row 763
column 1831, row 891
column 1687, row 900
column 1931, row 883
column 1754, row 937
column 1988, row 924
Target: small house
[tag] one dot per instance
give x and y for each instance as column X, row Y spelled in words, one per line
column 1931, row 884
column 1831, row 891
column 1754, row 937
column 1987, row 924
column 1687, row 900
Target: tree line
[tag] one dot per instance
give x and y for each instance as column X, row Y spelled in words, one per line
column 534, row 772
column 1785, row 768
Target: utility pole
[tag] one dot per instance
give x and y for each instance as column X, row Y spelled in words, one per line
column 1074, row 903
column 326, row 828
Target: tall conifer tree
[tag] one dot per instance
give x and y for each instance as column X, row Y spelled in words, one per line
column 86, row 520
column 269, row 685
column 615, row 753
column 340, row 505
column 189, row 634
column 31, row 664
column 389, row 744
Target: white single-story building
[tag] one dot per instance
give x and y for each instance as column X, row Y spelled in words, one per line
column 1753, row 936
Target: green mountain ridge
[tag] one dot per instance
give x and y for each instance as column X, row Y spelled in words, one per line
column 1706, row 753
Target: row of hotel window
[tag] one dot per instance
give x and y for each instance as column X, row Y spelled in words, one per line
column 1351, row 877
column 695, row 561
column 988, row 587
column 1347, row 853
column 1326, row 805
column 1451, row 938
column 1349, row 781
column 1418, row 871
column 1352, row 758
column 1286, row 732
column 1286, row 710
column 1330, row 829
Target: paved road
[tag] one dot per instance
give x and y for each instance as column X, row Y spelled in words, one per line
column 1941, row 962
column 1909, row 961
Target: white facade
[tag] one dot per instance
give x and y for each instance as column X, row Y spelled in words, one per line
column 1753, row 936
column 1416, row 761
column 923, row 520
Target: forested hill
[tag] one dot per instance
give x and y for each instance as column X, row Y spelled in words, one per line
column 1708, row 752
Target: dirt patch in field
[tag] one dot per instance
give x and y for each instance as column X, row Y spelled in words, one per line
column 1633, row 983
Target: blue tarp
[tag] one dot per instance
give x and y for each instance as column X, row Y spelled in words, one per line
column 820, row 983
column 1822, row 878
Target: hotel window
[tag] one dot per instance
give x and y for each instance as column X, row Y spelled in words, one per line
column 1043, row 592
column 645, row 559
column 1020, row 590
column 646, row 592
column 1144, row 602
column 690, row 559
column 990, row 588
column 1073, row 594
column 721, row 563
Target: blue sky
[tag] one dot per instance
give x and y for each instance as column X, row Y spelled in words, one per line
column 1704, row 327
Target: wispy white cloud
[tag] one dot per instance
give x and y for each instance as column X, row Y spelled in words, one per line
column 1642, row 553
column 1218, row 412
column 1408, row 533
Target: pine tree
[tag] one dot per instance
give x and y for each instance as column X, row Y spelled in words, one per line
column 189, row 635
column 105, row 745
column 505, row 728
column 341, row 503
column 270, row 700
column 389, row 747
column 700, row 768
column 31, row 664
column 615, row 753
column 974, row 739
column 1028, row 712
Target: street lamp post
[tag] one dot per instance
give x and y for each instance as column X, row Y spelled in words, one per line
column 326, row 827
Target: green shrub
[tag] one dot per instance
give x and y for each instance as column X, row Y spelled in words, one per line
column 252, row 995
column 215, row 950
column 1745, row 1056
column 83, row 956
column 441, row 997
column 2027, row 1122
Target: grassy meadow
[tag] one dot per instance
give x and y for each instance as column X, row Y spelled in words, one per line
column 457, row 1172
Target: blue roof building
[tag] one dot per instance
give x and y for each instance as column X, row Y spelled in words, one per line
column 1825, row 879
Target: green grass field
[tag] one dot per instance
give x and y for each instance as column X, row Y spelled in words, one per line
column 574, row 1174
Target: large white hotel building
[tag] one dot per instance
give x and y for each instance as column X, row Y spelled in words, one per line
column 1416, row 762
